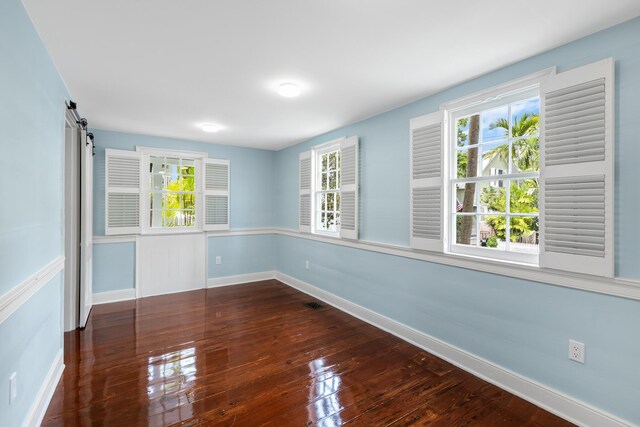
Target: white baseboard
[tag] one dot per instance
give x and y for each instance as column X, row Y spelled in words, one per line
column 43, row 398
column 214, row 282
column 540, row 395
column 113, row 296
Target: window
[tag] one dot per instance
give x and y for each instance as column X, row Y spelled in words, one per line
column 327, row 190
column 496, row 217
column 524, row 172
column 496, row 171
column 172, row 192
column 153, row 190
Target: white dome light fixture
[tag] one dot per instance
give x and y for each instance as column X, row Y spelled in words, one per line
column 210, row 128
column 289, row 90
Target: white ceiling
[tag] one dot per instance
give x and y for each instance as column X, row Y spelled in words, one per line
column 162, row 67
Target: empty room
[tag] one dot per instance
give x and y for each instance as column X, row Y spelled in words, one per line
column 297, row 213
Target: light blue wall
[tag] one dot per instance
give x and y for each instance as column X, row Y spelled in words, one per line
column 31, row 338
column 252, row 176
column 32, row 139
column 252, row 206
column 384, row 146
column 241, row 254
column 114, row 266
column 524, row 326
column 31, row 135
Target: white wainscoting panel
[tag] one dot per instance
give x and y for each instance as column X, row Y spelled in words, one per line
column 171, row 263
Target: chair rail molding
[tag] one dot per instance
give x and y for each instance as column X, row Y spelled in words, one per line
column 619, row 287
column 14, row 298
column 624, row 288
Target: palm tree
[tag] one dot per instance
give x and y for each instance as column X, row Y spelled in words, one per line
column 524, row 151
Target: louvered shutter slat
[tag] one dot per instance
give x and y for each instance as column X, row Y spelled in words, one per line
column 122, row 191
column 576, row 206
column 216, row 194
column 426, row 145
column 583, row 206
column 305, row 210
column 569, row 120
column 426, row 213
column 216, row 208
column 426, row 183
column 349, row 188
column 216, row 176
column 304, row 192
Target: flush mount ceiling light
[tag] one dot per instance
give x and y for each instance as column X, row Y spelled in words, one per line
column 210, row 128
column 289, row 90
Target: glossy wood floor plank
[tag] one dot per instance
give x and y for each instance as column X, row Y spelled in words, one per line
column 253, row 355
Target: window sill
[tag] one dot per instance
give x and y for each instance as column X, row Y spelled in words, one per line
column 170, row 231
column 328, row 234
column 495, row 255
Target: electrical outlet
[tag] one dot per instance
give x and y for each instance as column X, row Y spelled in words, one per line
column 576, row 351
column 218, row 260
column 306, row 264
column 13, row 387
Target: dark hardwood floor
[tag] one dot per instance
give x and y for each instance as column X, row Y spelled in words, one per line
column 254, row 355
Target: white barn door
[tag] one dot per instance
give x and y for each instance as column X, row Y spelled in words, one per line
column 86, row 227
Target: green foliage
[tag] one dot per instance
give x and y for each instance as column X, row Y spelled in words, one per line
column 462, row 136
column 524, row 199
column 173, row 202
column 525, row 152
column 492, row 242
column 462, row 164
column 461, row 139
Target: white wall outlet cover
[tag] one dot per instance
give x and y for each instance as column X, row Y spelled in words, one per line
column 306, row 264
column 218, row 260
column 576, row 351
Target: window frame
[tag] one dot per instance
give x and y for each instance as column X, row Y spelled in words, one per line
column 316, row 174
column 518, row 90
column 146, row 191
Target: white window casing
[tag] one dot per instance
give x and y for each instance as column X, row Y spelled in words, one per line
column 515, row 91
column 123, row 172
column 427, row 182
column 304, row 188
column 349, row 184
column 577, row 170
column 215, row 184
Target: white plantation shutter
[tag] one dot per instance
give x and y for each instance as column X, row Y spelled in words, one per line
column 349, row 188
column 123, row 170
column 304, row 219
column 577, row 170
column 427, row 182
column 216, row 194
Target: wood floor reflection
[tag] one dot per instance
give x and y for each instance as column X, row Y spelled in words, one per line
column 252, row 355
